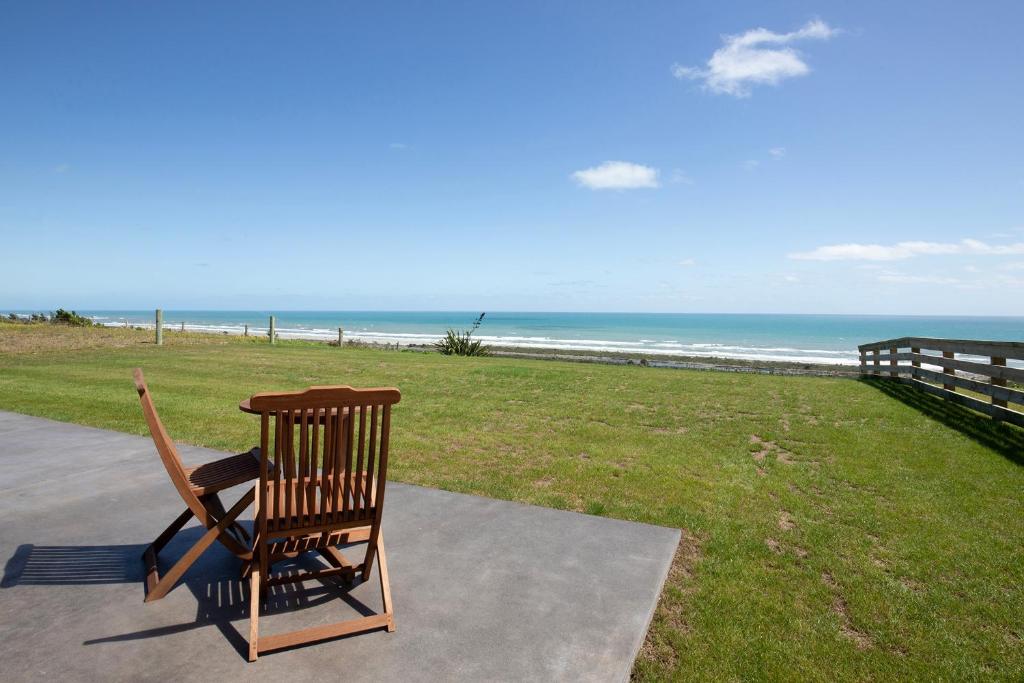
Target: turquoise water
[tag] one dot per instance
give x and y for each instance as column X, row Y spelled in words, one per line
column 798, row 338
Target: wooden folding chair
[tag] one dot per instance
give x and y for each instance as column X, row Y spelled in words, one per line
column 198, row 487
column 301, row 507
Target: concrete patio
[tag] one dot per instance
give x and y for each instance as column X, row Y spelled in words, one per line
column 483, row 589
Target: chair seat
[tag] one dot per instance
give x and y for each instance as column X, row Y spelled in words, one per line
column 224, row 473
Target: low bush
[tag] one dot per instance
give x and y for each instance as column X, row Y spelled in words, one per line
column 62, row 317
column 461, row 343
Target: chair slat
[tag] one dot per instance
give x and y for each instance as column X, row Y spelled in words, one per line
column 314, row 458
column 371, row 456
column 326, row 464
column 303, row 467
column 275, row 488
column 358, row 499
column 261, row 508
column 289, row 467
column 385, row 437
column 338, row 470
column 347, row 499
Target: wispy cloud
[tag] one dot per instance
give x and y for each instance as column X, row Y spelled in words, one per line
column 688, row 262
column 777, row 152
column 905, row 250
column 757, row 57
column 398, row 145
column 750, row 164
column 573, row 283
column 679, row 177
column 617, row 175
column 62, row 168
column 904, row 279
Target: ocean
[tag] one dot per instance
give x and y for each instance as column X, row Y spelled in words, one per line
column 829, row 339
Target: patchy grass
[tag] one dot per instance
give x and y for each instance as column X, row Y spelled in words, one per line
column 833, row 529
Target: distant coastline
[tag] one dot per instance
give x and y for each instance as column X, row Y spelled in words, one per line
column 798, row 340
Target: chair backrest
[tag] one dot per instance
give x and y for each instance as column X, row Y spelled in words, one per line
column 343, row 429
column 165, row 447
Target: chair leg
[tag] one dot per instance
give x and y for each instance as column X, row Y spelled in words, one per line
column 160, row 586
column 371, row 549
column 149, row 557
column 264, row 566
column 254, row 611
column 278, row 641
column 385, row 583
column 165, row 583
column 167, row 534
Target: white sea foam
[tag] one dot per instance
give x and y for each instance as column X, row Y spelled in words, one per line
column 641, row 346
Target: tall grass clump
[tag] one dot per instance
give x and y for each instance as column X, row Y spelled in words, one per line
column 461, row 342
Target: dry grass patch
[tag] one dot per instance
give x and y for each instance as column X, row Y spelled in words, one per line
column 670, row 620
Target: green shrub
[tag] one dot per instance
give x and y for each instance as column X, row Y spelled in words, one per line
column 461, row 343
column 63, row 317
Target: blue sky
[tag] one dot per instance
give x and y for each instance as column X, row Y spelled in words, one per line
column 846, row 158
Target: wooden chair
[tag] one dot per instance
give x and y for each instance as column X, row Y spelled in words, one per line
column 301, row 507
column 198, row 487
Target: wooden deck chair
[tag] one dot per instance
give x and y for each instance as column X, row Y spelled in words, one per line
column 301, row 507
column 198, row 487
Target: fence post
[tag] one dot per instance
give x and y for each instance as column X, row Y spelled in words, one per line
column 916, row 363
column 273, row 332
column 159, row 327
column 246, row 333
column 893, row 370
column 948, row 371
column 341, row 333
column 182, row 325
column 998, row 382
column 875, row 354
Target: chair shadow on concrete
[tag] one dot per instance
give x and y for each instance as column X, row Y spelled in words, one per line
column 1004, row 439
column 222, row 596
column 60, row 565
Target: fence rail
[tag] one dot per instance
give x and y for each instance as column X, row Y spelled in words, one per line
column 983, row 370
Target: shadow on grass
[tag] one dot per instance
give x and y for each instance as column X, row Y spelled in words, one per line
column 221, row 596
column 1004, row 439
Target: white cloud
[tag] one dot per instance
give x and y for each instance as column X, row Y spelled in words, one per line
column 751, row 164
column 62, row 168
column 905, row 250
column 777, row 152
column 791, row 278
column 398, row 145
column 688, row 262
column 617, row 175
column 978, row 247
column 746, row 60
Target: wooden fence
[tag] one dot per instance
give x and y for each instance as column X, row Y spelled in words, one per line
column 989, row 385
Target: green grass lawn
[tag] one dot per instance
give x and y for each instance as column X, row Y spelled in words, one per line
column 833, row 529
